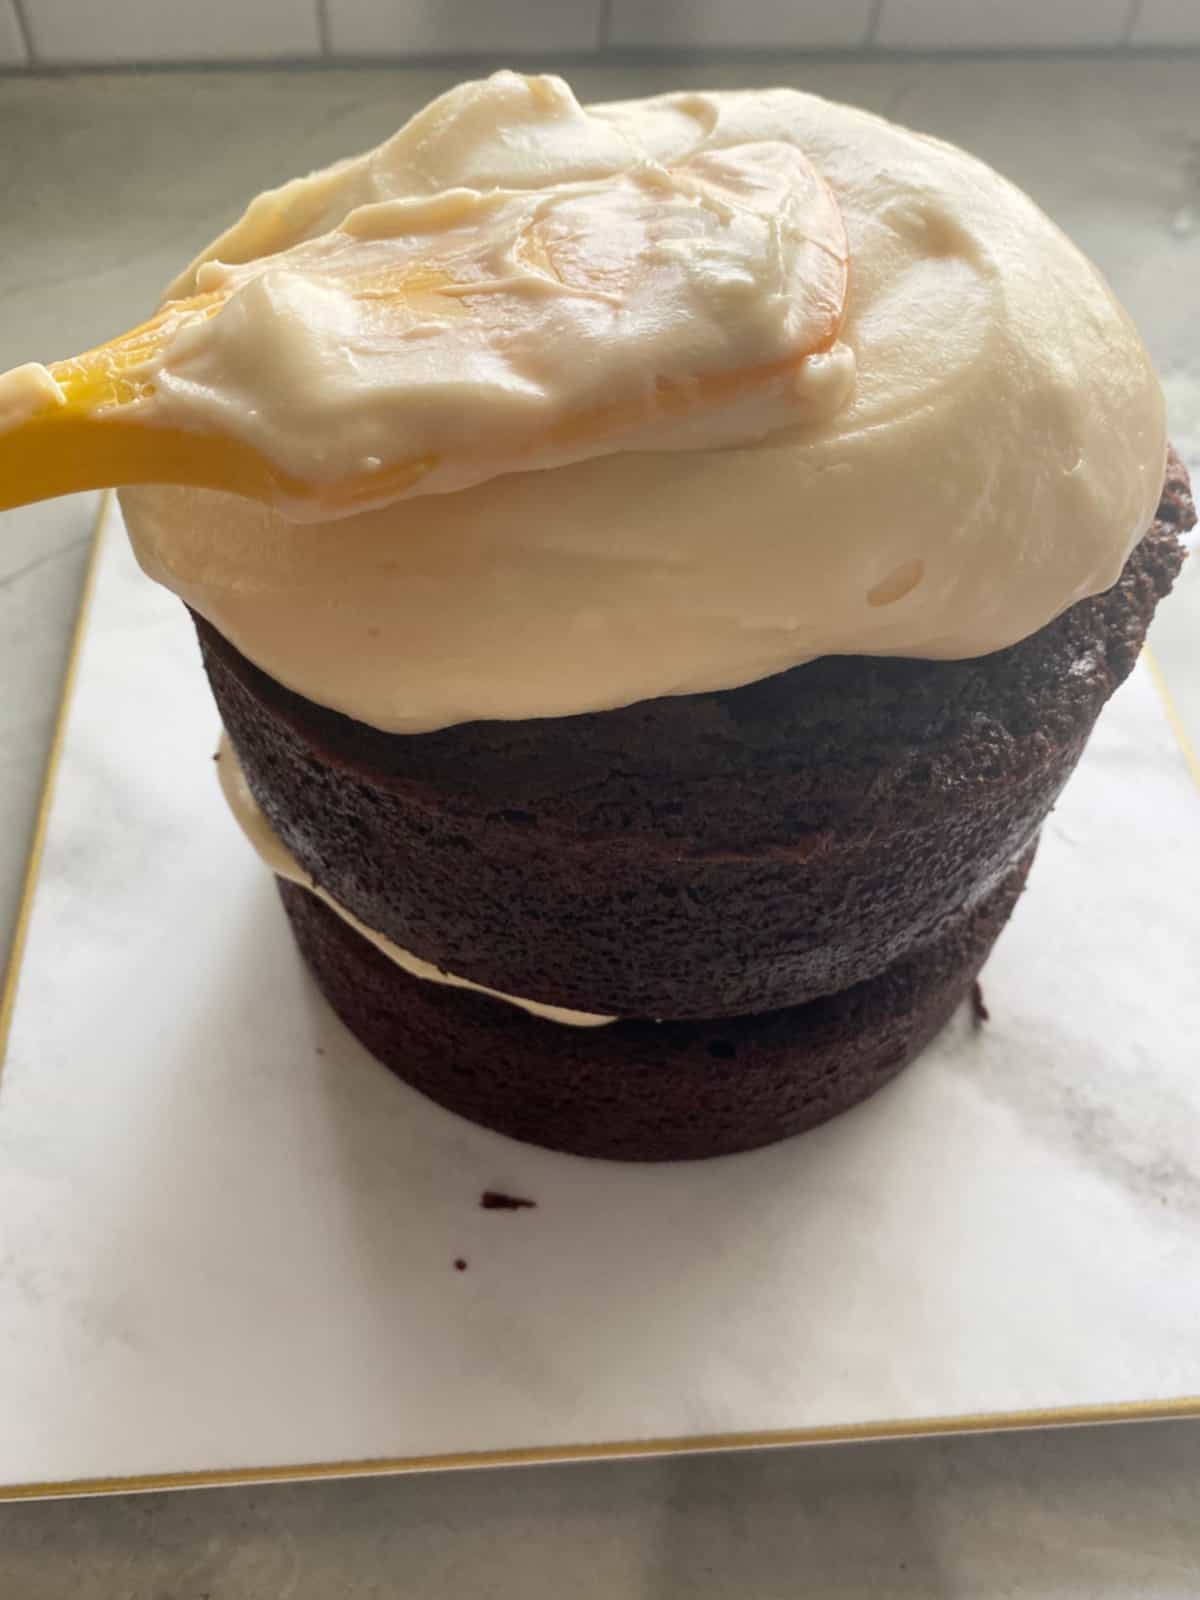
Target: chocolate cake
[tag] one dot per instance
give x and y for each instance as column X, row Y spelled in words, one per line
column 701, row 855
column 648, row 1091
column 657, row 564
column 846, row 839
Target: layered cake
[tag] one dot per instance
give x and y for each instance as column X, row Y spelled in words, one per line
column 648, row 655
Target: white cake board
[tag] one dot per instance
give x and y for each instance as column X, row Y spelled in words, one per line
column 227, row 1237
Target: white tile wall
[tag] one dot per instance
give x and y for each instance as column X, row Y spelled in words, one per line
column 1000, row 24
column 1167, row 22
column 12, row 45
column 510, row 28
column 62, row 31
column 739, row 24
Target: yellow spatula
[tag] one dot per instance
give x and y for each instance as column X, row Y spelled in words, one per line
column 448, row 278
column 98, row 435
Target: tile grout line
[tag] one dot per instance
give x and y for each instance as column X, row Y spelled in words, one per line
column 604, row 25
column 157, row 66
column 25, row 31
column 324, row 47
column 1131, row 22
column 867, row 42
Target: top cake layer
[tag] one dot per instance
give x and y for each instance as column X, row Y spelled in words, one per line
column 979, row 446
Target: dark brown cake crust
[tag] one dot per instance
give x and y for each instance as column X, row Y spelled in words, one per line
column 702, row 855
column 646, row 1091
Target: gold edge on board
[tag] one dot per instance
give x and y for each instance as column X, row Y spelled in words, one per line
column 533, row 1455
column 1190, row 754
column 609, row 1450
column 12, row 971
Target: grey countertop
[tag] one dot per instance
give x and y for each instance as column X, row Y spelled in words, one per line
column 107, row 182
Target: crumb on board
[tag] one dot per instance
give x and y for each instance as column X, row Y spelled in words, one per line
column 493, row 1200
column 979, row 1011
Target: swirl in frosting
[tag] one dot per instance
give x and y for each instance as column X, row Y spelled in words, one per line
column 981, row 447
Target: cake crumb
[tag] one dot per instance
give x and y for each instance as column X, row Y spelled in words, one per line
column 979, row 1012
column 459, row 1264
column 493, row 1200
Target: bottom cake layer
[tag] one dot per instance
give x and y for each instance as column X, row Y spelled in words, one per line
column 640, row 1090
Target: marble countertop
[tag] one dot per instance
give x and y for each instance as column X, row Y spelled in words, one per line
column 107, row 181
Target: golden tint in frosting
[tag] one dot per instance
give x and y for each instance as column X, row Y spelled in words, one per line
column 429, row 343
column 981, row 448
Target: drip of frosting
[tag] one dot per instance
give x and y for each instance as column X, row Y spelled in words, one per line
column 274, row 853
column 980, row 449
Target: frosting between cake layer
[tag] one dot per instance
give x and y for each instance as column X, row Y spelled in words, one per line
column 274, row 854
column 988, row 448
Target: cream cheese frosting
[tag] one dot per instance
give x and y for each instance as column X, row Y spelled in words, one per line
column 431, row 342
column 25, row 392
column 275, row 854
column 982, row 448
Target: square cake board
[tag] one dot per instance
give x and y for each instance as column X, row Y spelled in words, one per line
column 228, row 1238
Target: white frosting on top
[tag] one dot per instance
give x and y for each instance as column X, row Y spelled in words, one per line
column 434, row 341
column 999, row 455
column 276, row 855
